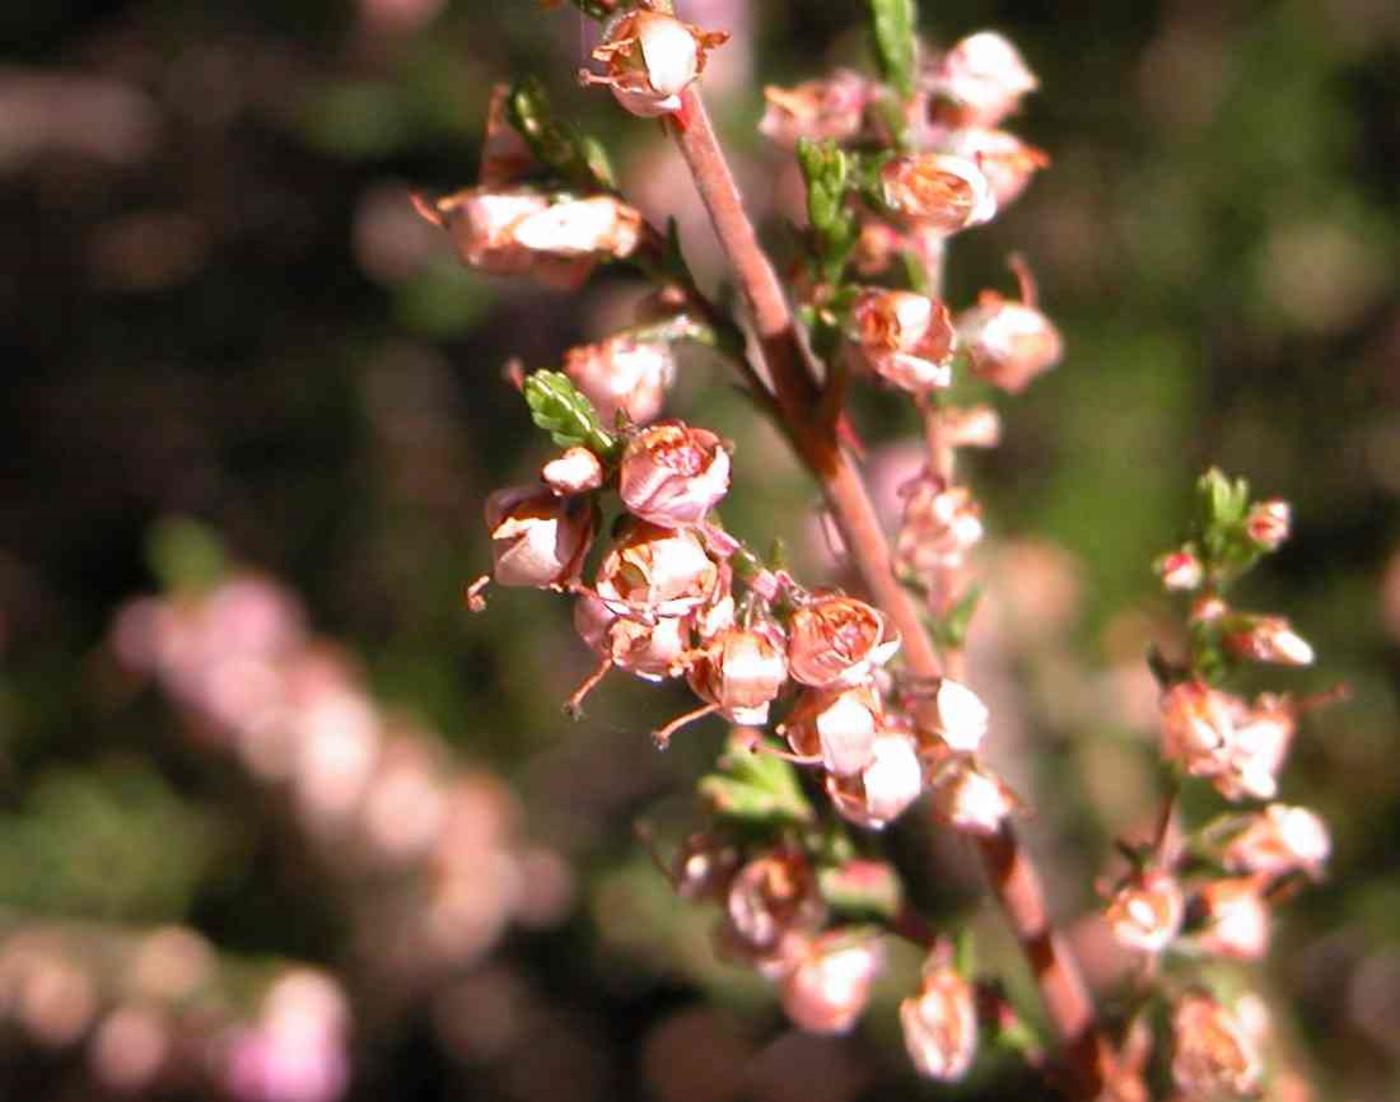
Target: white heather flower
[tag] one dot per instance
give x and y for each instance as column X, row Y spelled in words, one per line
column 1147, row 910
column 905, row 338
column 1280, row 840
column 940, row 1024
column 1236, row 919
column 623, row 374
column 827, row 985
column 672, row 474
column 962, row 717
column 742, row 670
column 1213, row 1055
column 886, row 787
column 1009, row 344
column 838, row 640
column 972, row 799
column 1270, row 639
column 652, row 650
column 538, row 539
column 979, row 81
column 837, row 727
column 576, row 471
column 651, row 58
column 937, row 191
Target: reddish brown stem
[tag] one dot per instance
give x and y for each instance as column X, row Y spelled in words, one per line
column 797, row 392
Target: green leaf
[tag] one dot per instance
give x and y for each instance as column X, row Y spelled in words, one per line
column 827, row 172
column 184, row 554
column 558, row 145
column 951, row 631
column 894, row 24
column 557, row 407
column 757, row 790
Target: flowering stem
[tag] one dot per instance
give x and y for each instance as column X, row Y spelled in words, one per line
column 797, row 392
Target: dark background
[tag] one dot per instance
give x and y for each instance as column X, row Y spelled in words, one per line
column 217, row 304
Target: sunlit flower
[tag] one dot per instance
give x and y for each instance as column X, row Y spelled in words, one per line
column 651, row 57
column 538, row 539
column 905, row 338
column 937, row 190
column 672, row 474
column 837, row 727
column 827, row 984
column 1006, row 161
column 838, row 640
column 1269, row 639
column 656, row 572
column 971, row 798
column 742, row 670
column 1180, row 571
column 940, row 1024
column 651, row 649
column 886, row 787
column 940, row 525
column 1236, row 918
column 576, row 471
column 979, row 81
column 1280, row 840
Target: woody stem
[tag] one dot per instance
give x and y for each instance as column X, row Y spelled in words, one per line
column 794, row 376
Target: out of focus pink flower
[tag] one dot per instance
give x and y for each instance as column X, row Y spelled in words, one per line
column 1009, row 344
column 1213, row 1055
column 827, row 986
column 772, row 897
column 1269, row 639
column 1147, row 910
column 972, row 799
column 938, row 191
column 829, row 109
column 673, row 474
column 296, row 1052
column 576, row 471
column 1280, row 840
column 1236, row 918
column 940, row 1024
column 1268, row 523
column 980, row 81
column 623, row 374
column 538, row 539
column 1180, row 571
column 1006, row 161
column 940, row 525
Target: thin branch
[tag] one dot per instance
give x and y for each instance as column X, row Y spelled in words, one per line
column 794, row 375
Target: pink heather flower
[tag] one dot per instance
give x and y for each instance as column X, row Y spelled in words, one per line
column 576, row 471
column 937, row 191
column 655, row 572
column 742, row 670
column 652, row 650
column 971, row 426
column 827, row 984
column 837, row 727
column 1006, row 161
column 830, row 109
column 1270, row 639
column 517, row 231
column 1213, row 1054
column 838, row 640
column 1147, row 910
column 772, row 897
column 672, row 474
column 1257, row 749
column 962, row 717
column 905, row 338
column 1181, row 571
column 940, row 1024
column 940, row 526
column 1268, row 523
column 883, row 791
column 1009, row 344
column 1236, row 919
column 651, row 58
column 1198, row 722
column 1280, row 840
column 979, row 81
column 296, row 1052
column 537, row 538
column 623, row 374
column 971, row 798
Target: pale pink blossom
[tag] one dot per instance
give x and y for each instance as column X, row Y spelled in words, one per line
column 838, row 640
column 576, row 471
column 1213, row 1055
column 1181, row 571
column 1006, row 161
column 1280, row 840
column 940, row 525
column 827, row 984
column 962, row 717
column 623, row 374
column 885, row 788
column 1236, row 919
column 971, row 426
column 971, row 798
column 651, row 57
column 1268, row 523
column 655, row 572
column 837, row 727
column 1269, row 639
column 538, row 539
column 1147, row 910
column 1009, row 344
column 980, row 81
column 652, row 649
column 742, row 670
column 938, row 191
column 820, row 110
column 940, row 1024
column 672, row 474
column 905, row 338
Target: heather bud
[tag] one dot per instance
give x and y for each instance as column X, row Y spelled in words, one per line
column 818, row 110
column 827, row 985
column 938, row 191
column 576, row 471
column 1147, row 910
column 1269, row 639
column 1268, row 523
column 838, row 640
column 940, row 1024
column 1213, row 1054
column 1009, row 344
column 537, row 538
column 742, row 670
column 651, row 57
column 657, row 572
column 623, row 374
column 1181, row 571
column 979, row 81
column 837, row 727
column 672, row 474
column 905, row 338
column 1280, row 840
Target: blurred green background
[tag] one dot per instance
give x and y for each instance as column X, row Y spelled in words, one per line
column 218, row 304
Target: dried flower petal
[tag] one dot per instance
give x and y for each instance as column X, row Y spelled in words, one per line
column 1280, row 840
column 657, row 572
column 905, row 338
column 538, row 539
column 838, row 640
column 672, row 474
column 651, row 57
column 742, row 670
